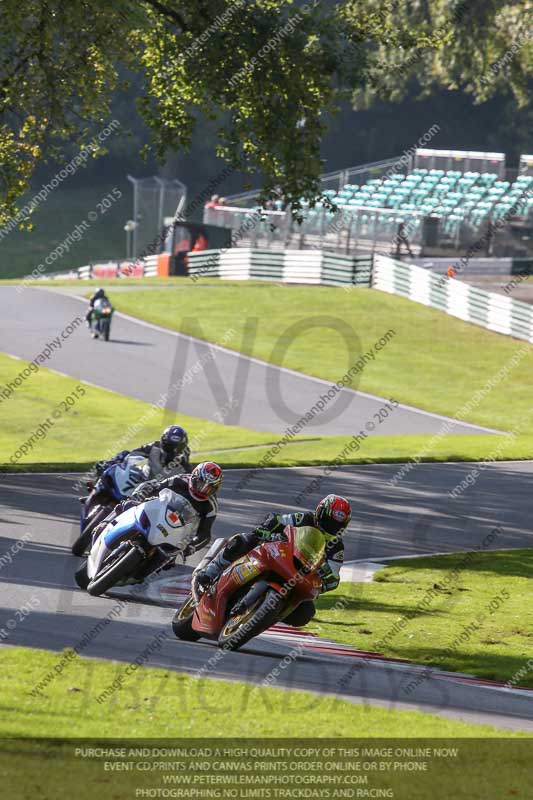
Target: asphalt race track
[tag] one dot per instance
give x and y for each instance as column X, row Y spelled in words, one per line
column 144, row 360
column 417, row 516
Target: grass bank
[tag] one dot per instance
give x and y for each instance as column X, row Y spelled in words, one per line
column 416, row 354
column 160, row 703
column 72, row 433
column 462, row 612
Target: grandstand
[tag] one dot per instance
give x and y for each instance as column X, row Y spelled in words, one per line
column 438, row 202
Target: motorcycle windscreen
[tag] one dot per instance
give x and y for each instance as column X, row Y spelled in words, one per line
column 309, row 547
column 173, row 520
column 130, row 473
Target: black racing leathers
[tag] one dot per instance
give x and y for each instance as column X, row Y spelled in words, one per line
column 271, row 528
column 162, row 464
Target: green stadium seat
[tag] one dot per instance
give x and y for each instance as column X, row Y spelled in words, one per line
column 488, row 178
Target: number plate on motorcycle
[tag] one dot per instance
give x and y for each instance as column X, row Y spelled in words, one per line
column 173, row 519
column 245, row 571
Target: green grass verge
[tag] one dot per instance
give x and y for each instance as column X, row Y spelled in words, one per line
column 98, row 420
column 434, row 361
column 385, row 449
column 156, row 707
column 101, row 419
column 466, row 613
column 160, row 703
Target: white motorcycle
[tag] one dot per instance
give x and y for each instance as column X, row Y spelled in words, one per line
column 114, row 484
column 167, row 523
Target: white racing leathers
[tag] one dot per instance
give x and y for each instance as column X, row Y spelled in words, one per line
column 168, row 521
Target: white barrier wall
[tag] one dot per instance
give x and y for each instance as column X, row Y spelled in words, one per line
column 288, row 266
column 488, row 309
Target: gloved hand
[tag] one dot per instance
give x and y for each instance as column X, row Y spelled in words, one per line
column 143, row 490
column 328, row 578
column 263, row 533
column 125, row 505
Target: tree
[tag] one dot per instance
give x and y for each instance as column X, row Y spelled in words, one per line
column 484, row 47
column 266, row 71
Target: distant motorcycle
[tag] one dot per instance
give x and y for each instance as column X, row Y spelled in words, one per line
column 254, row 592
column 101, row 319
column 115, row 484
column 167, row 523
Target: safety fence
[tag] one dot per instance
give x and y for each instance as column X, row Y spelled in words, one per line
column 484, row 267
column 496, row 312
column 287, row 266
column 141, row 268
column 490, row 310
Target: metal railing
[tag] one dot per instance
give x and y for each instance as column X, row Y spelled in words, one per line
column 350, row 230
column 330, row 180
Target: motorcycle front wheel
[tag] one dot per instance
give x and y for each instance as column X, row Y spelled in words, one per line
column 110, row 575
column 261, row 615
column 81, row 577
column 84, row 539
column 182, row 621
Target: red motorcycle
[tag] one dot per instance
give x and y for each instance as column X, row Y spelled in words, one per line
column 255, row 591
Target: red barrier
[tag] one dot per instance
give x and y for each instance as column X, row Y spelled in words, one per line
column 108, row 270
column 129, row 269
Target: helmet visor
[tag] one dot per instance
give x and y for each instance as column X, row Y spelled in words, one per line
column 330, row 525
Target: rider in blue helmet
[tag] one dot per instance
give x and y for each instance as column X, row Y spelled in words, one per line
column 167, row 456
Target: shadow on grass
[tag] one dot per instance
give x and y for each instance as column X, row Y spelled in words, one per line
column 507, row 563
column 351, row 605
column 482, row 663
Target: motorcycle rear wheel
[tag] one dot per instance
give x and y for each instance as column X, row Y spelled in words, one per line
column 118, row 570
column 240, row 628
column 182, row 621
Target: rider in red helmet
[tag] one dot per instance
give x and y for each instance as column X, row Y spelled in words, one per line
column 199, row 488
column 331, row 516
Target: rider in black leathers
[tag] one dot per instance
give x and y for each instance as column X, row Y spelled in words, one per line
column 331, row 516
column 99, row 294
column 165, row 456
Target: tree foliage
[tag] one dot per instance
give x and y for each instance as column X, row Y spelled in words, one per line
column 266, row 71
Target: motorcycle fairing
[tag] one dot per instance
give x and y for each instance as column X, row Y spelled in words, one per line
column 123, row 524
column 126, row 475
column 273, row 562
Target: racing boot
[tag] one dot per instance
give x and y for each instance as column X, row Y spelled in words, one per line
column 206, row 577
